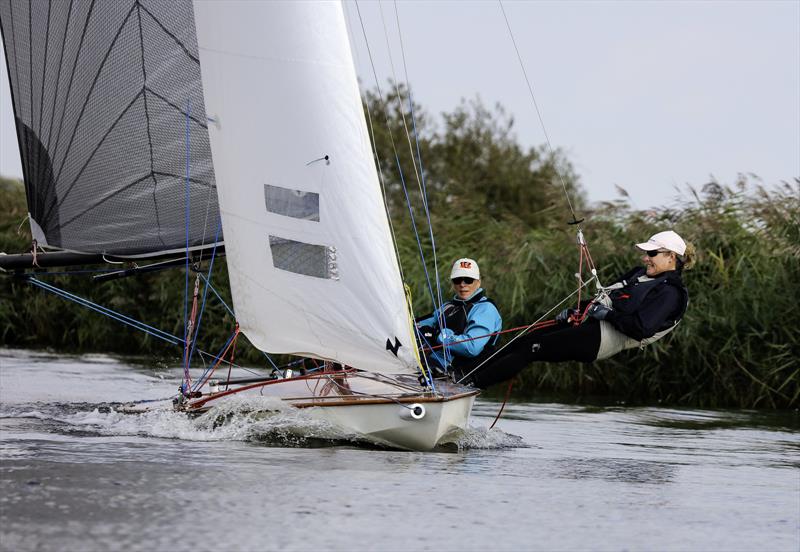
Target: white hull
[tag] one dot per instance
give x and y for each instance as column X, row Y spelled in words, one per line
column 390, row 411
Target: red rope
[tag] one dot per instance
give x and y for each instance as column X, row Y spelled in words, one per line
column 222, row 359
column 189, row 333
column 580, row 273
column 502, row 406
column 532, row 327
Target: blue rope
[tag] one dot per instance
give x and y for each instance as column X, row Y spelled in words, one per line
column 186, row 218
column 219, row 297
column 442, row 322
column 419, row 246
column 425, row 373
column 269, row 359
column 150, row 330
column 127, row 320
column 416, row 234
column 211, row 366
column 205, row 290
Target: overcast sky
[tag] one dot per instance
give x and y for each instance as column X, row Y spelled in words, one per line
column 644, row 95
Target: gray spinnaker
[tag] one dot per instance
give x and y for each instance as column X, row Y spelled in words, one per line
column 108, row 105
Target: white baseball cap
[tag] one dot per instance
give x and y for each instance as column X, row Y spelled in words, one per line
column 664, row 240
column 465, row 268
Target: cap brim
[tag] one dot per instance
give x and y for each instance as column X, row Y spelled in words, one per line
column 648, row 246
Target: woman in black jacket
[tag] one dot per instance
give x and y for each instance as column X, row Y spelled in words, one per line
column 641, row 307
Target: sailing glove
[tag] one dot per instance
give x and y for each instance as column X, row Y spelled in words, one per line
column 598, row 311
column 426, row 332
column 564, row 315
column 446, row 335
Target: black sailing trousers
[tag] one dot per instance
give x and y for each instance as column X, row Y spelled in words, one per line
column 553, row 344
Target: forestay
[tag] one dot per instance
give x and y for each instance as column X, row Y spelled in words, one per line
column 312, row 267
column 102, row 91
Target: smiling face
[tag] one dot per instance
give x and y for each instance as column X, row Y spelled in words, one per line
column 463, row 289
column 663, row 261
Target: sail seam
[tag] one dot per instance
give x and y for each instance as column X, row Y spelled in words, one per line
column 35, row 167
column 94, row 151
column 26, row 158
column 91, row 90
column 192, row 180
column 41, row 91
column 58, row 76
column 71, row 79
column 177, row 108
column 147, row 120
column 144, row 85
column 171, row 35
column 44, row 71
column 14, row 43
column 110, row 196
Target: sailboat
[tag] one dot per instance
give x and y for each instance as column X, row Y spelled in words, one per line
column 259, row 102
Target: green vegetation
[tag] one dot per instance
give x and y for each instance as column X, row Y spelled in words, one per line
column 503, row 205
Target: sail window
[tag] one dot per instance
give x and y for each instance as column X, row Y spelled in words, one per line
column 292, row 203
column 308, row 259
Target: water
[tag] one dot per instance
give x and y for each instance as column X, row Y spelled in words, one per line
column 76, row 475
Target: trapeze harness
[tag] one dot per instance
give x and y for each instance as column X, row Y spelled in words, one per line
column 626, row 297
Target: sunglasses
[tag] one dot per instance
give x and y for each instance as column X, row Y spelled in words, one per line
column 459, row 281
column 655, row 252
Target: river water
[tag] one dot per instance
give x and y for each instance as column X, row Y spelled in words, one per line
column 77, row 475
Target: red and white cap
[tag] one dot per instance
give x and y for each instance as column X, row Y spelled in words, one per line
column 465, row 268
column 664, row 240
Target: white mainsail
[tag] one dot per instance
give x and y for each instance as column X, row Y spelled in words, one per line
column 312, row 267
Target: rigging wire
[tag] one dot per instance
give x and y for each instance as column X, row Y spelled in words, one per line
column 399, row 167
column 127, row 320
column 207, row 280
column 527, row 328
column 394, row 149
column 421, row 175
column 187, row 379
column 381, row 178
column 150, row 330
column 538, row 111
column 415, row 331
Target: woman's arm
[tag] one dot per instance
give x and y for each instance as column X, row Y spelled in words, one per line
column 484, row 319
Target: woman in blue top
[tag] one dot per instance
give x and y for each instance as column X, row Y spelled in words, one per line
column 641, row 307
column 465, row 327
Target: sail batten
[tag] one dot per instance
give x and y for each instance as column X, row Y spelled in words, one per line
column 312, row 267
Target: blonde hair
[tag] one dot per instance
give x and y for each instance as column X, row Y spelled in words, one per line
column 687, row 260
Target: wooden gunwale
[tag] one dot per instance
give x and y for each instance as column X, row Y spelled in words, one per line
column 340, row 400
column 349, row 401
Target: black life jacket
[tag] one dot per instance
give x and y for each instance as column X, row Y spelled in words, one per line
column 456, row 315
column 629, row 298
